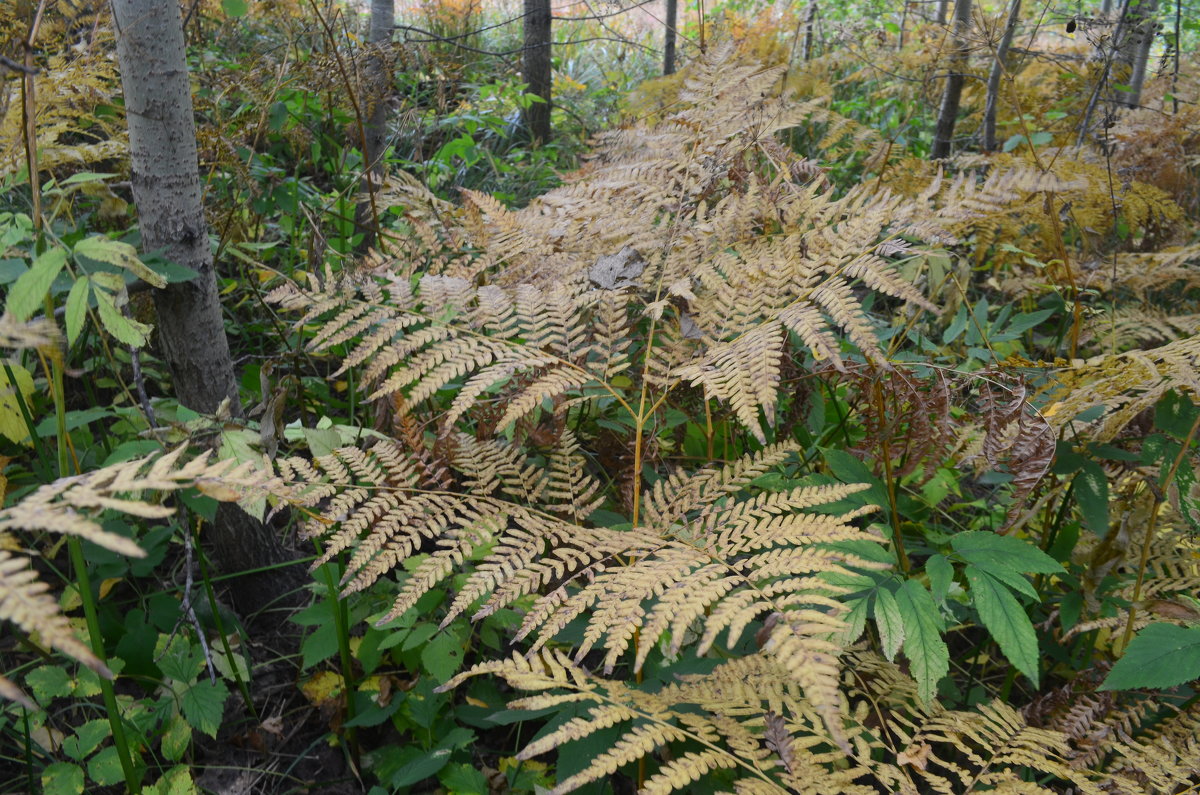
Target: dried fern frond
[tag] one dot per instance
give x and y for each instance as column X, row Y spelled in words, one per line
column 39, row 333
column 1121, row 386
column 719, row 713
column 72, row 505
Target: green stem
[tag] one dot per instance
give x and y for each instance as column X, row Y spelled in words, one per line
column 133, row 779
column 220, row 625
column 341, row 622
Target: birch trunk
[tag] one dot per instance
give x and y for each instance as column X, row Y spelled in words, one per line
column 383, row 23
column 190, row 329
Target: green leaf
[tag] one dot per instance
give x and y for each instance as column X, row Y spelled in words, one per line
column 176, row 781
column 87, row 738
column 976, row 546
column 12, row 421
column 129, row 332
column 62, row 778
column 923, row 644
column 235, row 8
column 180, row 661
column 1013, row 143
column 1010, row 577
column 48, row 682
column 122, row 255
column 1006, row 620
column 941, row 574
column 29, row 291
column 442, row 656
column 1161, row 656
column 464, row 779
column 105, row 767
column 1091, row 492
column 203, row 704
column 1041, row 138
column 77, row 304
column 176, row 738
column 887, row 619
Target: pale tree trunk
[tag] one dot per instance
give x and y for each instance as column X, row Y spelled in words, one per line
column 943, row 11
column 166, row 189
column 943, row 133
column 998, row 68
column 536, row 67
column 379, row 84
column 672, row 18
column 1143, row 28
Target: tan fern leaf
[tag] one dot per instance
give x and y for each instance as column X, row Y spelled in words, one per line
column 39, row 333
column 9, row 690
column 24, row 601
column 1122, row 386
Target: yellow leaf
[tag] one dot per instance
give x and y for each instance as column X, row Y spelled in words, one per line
column 107, row 585
column 323, row 688
column 12, row 421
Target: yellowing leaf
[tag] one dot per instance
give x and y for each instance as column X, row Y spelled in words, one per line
column 28, row 292
column 323, row 689
column 122, row 255
column 12, row 421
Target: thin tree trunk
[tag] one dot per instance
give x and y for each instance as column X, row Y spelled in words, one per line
column 536, row 67
column 998, row 68
column 810, row 26
column 672, row 19
column 166, row 189
column 383, row 23
column 1142, row 31
column 903, row 22
column 943, row 133
column 943, row 10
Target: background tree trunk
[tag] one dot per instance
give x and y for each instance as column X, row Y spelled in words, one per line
column 672, row 18
column 810, row 25
column 1143, row 28
column 166, row 189
column 379, row 73
column 998, row 67
column 536, row 67
column 943, row 133
column 943, row 11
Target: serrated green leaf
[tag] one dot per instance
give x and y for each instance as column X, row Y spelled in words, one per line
column 176, row 738
column 1160, row 656
column 1091, row 492
column 180, row 661
column 122, row 255
column 976, row 546
column 203, row 705
column 941, row 574
column 855, row 620
column 176, row 781
column 127, row 331
column 87, row 738
column 48, row 682
column 1006, row 620
column 1010, row 577
column 891, row 626
column 442, row 656
column 1013, row 142
column 923, row 644
column 28, row 292
column 105, row 767
column 77, row 304
column 62, row 778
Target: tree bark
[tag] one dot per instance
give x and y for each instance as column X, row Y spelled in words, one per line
column 379, row 82
column 165, row 179
column 536, row 68
column 810, row 25
column 672, row 19
column 1142, row 27
column 943, row 133
column 998, row 68
column 943, row 10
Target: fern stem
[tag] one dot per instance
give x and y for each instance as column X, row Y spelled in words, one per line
column 132, row 779
column 341, row 623
column 897, row 536
column 1151, row 527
